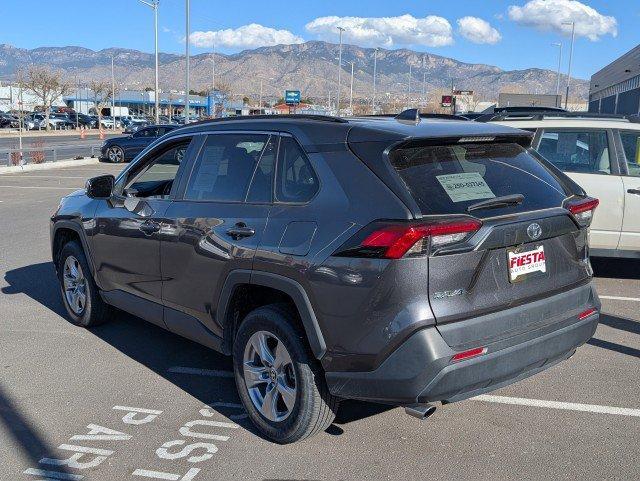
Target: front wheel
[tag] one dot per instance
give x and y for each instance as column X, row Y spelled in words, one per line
column 115, row 154
column 279, row 382
column 80, row 294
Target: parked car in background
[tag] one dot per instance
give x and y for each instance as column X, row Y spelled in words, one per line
column 602, row 154
column 401, row 261
column 125, row 148
column 39, row 121
column 107, row 123
column 8, row 120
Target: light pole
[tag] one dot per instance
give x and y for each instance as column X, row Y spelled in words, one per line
column 340, row 29
column 424, row 88
column 213, row 68
column 375, row 68
column 154, row 5
column 260, row 98
column 559, row 45
column 351, row 91
column 187, row 88
column 409, row 89
column 113, row 95
column 573, row 37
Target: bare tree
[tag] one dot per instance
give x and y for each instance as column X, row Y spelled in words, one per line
column 46, row 84
column 102, row 94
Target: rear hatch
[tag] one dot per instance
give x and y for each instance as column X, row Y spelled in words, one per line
column 519, row 243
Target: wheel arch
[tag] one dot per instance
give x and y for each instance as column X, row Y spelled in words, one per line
column 282, row 289
column 65, row 231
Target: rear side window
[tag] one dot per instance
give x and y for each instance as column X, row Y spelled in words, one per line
column 631, row 147
column 577, row 151
column 225, row 167
column 296, row 180
column 449, row 178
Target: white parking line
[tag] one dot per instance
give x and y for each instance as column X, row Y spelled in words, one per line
column 27, row 176
column 200, row 372
column 37, row 187
column 616, row 298
column 589, row 408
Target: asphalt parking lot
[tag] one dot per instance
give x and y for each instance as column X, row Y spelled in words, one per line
column 131, row 395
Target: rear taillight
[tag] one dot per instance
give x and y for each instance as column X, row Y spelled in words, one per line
column 394, row 241
column 582, row 209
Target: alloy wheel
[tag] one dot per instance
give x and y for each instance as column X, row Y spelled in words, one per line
column 75, row 285
column 269, row 376
column 115, row 154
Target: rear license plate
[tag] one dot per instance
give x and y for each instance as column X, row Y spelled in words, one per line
column 525, row 264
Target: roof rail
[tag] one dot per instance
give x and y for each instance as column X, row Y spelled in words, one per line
column 321, row 118
column 532, row 115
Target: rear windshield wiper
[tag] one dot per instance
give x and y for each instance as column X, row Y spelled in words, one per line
column 505, row 200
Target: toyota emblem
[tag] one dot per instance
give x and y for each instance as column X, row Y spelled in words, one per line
column 534, row 231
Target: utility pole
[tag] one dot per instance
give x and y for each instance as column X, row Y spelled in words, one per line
column 260, row 98
column 573, row 37
column 187, row 87
column 375, row 68
column 213, row 67
column 559, row 45
column 351, row 91
column 113, row 95
column 340, row 29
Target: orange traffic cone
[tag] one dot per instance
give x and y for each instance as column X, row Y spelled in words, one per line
column 101, row 134
column 83, row 134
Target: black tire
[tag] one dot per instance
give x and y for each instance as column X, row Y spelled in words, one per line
column 315, row 408
column 94, row 310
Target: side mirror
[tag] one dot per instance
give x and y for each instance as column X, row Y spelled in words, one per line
column 100, row 187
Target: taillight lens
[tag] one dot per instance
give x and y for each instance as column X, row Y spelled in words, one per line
column 582, row 209
column 394, row 241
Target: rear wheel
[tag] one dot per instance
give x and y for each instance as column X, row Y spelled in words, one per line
column 279, row 382
column 115, row 154
column 80, row 294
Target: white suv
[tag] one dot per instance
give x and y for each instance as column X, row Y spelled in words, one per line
column 601, row 154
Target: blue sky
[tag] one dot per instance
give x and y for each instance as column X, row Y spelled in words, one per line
column 515, row 34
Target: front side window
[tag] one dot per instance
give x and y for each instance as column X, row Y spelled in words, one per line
column 577, row 151
column 631, row 147
column 226, row 166
column 156, row 177
column 297, row 182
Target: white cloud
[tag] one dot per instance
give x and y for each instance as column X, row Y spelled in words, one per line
column 477, row 30
column 550, row 14
column 431, row 31
column 247, row 36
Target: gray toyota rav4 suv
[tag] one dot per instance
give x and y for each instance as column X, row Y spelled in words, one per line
column 401, row 260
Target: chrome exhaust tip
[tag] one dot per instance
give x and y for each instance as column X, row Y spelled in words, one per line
column 420, row 411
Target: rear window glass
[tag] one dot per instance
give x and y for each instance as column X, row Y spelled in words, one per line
column 447, row 179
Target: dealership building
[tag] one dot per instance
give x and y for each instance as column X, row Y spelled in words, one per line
column 616, row 88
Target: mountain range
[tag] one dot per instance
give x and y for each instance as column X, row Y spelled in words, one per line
column 310, row 67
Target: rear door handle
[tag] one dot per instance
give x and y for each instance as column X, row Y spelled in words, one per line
column 634, row 191
column 240, row 230
column 150, row 227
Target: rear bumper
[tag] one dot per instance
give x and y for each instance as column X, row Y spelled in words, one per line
column 421, row 369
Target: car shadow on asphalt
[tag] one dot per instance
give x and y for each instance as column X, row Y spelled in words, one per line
column 160, row 350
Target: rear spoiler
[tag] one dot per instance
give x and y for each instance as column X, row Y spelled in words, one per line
column 413, row 116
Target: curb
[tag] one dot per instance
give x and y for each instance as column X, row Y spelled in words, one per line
column 15, row 169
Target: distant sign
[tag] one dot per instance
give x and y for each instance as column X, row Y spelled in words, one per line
column 292, row 97
column 447, row 100
column 463, row 92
